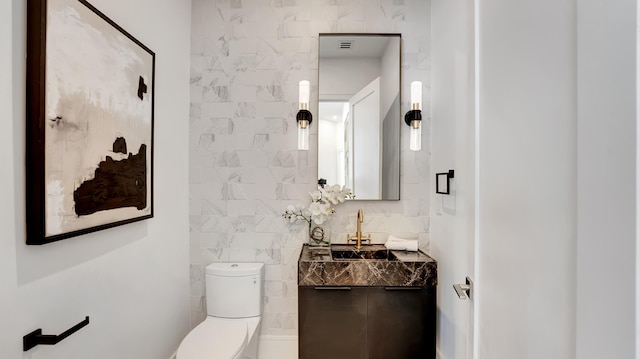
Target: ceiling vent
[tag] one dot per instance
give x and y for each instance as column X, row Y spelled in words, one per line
column 345, row 44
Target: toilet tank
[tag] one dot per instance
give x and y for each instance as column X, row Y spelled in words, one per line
column 234, row 290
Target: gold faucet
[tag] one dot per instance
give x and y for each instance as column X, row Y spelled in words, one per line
column 359, row 237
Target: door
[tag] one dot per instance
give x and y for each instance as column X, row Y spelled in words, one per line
column 366, row 141
column 453, row 147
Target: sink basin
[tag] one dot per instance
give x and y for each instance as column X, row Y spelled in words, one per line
column 352, row 254
column 373, row 265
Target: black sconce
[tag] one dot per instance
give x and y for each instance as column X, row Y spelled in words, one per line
column 304, row 117
column 413, row 118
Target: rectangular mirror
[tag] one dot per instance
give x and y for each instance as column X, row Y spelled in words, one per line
column 359, row 114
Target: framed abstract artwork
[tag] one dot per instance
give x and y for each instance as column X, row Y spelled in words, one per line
column 90, row 118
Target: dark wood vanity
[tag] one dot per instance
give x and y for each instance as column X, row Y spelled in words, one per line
column 372, row 304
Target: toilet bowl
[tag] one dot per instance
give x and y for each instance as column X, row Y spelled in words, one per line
column 221, row 338
column 234, row 304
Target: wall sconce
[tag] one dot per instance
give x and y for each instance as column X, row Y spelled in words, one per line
column 304, row 117
column 413, row 118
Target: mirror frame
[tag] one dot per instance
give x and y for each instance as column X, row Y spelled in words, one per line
column 397, row 123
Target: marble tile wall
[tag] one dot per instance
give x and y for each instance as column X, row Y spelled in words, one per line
column 247, row 57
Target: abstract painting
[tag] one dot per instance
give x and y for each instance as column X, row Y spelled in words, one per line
column 90, row 103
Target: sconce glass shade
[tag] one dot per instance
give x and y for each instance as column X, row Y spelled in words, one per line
column 415, row 139
column 304, row 92
column 303, row 135
column 413, row 119
column 416, row 95
column 304, row 120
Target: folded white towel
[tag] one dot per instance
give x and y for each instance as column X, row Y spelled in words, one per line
column 400, row 244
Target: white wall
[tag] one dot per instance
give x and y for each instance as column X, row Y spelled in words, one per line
column 607, row 177
column 527, row 179
column 389, row 104
column 340, row 81
column 389, row 75
column 9, row 336
column 247, row 59
column 453, row 147
column 131, row 280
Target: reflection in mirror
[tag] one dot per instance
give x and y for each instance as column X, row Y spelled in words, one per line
column 359, row 115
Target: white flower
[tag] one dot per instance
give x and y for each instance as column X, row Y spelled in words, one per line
column 330, row 196
column 315, row 195
column 320, row 208
column 344, row 194
column 320, row 211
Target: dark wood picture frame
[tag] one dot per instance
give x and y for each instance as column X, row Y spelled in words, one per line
column 90, row 96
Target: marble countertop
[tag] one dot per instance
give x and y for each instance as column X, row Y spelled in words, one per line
column 316, row 267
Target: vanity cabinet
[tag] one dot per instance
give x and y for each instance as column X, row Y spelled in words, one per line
column 367, row 322
column 401, row 322
column 332, row 322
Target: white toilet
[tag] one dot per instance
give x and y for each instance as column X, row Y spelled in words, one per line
column 234, row 305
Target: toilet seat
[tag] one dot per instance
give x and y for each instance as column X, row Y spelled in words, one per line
column 215, row 338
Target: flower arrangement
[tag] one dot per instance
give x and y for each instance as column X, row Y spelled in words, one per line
column 321, row 208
